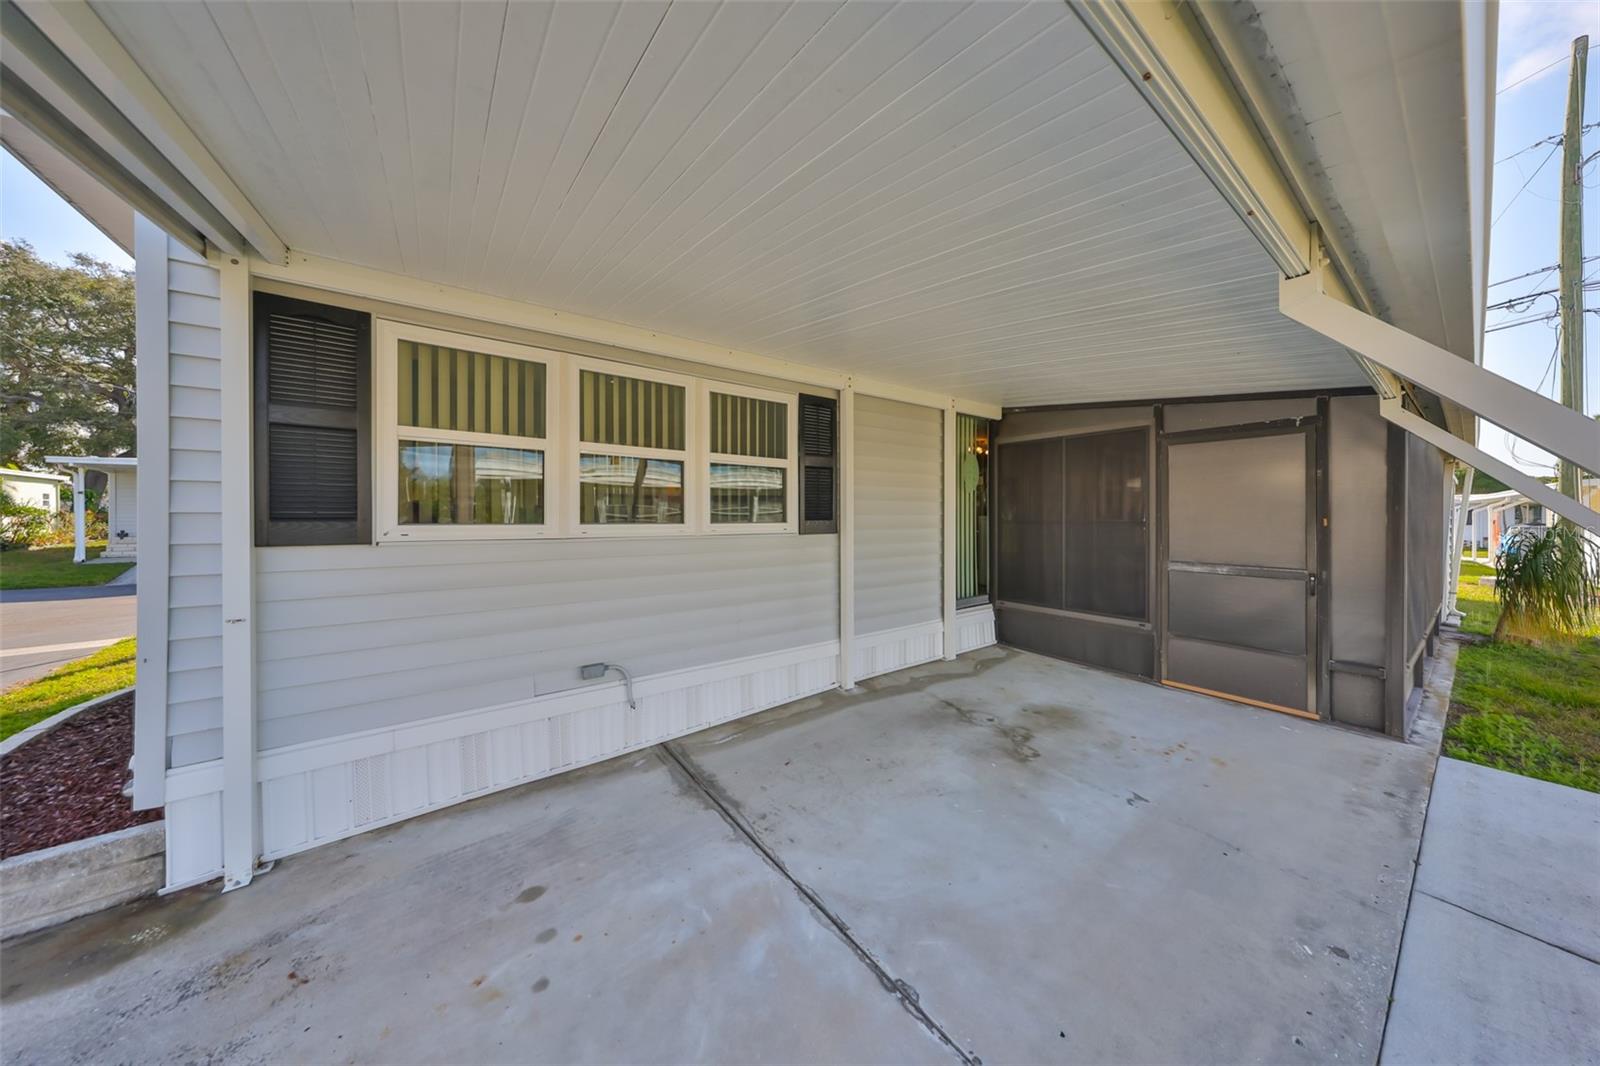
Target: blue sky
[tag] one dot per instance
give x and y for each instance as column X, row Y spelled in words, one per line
column 1534, row 34
column 31, row 212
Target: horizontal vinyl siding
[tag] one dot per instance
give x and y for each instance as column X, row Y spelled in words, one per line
column 356, row 638
column 194, row 588
column 897, row 514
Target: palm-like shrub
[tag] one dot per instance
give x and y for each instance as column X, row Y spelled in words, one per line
column 1548, row 583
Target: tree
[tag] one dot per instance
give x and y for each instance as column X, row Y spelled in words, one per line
column 66, row 357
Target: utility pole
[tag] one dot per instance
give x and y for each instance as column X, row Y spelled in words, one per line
column 1572, row 253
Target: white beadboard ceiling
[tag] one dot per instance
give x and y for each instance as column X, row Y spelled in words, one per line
column 965, row 197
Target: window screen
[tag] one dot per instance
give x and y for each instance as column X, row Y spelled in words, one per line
column 1073, row 531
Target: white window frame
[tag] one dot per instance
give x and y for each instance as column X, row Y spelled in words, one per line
column 693, row 523
column 788, row 464
column 387, row 433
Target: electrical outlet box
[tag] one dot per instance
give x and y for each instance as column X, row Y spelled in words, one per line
column 592, row 671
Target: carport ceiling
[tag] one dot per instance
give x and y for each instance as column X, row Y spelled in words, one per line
column 971, row 198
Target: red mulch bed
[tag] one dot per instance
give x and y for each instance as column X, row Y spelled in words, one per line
column 67, row 785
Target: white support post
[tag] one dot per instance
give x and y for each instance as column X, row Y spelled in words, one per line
column 845, row 476
column 154, row 513
column 80, row 549
column 1451, row 444
column 951, row 465
column 1458, row 529
column 240, row 826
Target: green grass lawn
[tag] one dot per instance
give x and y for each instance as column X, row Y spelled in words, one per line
column 53, row 568
column 106, row 670
column 1530, row 709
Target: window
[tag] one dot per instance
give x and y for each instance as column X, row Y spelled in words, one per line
column 632, row 449
column 468, row 435
column 312, row 459
column 749, row 484
column 481, row 438
column 972, row 509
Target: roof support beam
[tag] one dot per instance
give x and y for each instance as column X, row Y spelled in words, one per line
column 70, row 45
column 1526, row 413
column 1449, row 443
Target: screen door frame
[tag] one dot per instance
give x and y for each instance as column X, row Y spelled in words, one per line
column 1312, row 429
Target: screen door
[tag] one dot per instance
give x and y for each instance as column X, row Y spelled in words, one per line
column 1240, row 566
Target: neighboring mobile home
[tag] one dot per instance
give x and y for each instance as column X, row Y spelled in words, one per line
column 119, row 499
column 524, row 384
column 30, row 488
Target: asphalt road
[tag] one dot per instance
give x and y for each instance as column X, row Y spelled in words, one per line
column 42, row 628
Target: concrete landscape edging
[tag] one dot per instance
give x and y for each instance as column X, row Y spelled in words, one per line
column 39, row 729
column 45, row 888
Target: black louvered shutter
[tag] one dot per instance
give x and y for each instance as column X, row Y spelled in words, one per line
column 819, row 465
column 312, row 400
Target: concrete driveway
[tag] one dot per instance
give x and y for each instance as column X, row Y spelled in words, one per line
column 41, row 629
column 1003, row 858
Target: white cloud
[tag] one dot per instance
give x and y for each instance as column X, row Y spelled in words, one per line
column 1534, row 34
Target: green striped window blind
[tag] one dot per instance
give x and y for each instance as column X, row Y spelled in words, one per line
column 630, row 412
column 470, row 392
column 745, row 425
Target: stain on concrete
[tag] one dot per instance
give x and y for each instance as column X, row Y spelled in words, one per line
column 1135, row 798
column 1334, row 949
column 1018, row 740
column 540, row 985
column 528, row 895
column 545, row 937
column 89, row 947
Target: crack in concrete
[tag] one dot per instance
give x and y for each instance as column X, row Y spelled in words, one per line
column 730, row 812
column 1512, row 928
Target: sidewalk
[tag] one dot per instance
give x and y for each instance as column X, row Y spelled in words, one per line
column 1500, row 961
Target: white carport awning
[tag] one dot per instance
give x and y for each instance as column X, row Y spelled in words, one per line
column 971, row 199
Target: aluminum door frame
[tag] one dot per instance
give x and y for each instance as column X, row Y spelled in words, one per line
column 1318, row 632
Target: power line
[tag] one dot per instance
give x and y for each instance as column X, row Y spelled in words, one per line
column 1525, row 301
column 1541, row 70
column 1554, row 149
column 1541, row 270
column 1554, row 138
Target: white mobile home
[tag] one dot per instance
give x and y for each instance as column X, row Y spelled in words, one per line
column 522, row 384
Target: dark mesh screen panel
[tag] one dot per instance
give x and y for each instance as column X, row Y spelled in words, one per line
column 1107, row 548
column 1031, row 532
